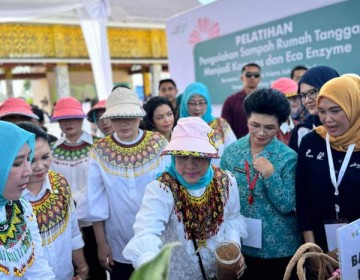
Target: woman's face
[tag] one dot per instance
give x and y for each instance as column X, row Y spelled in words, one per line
column 103, row 124
column 127, row 129
column 71, row 127
column 18, row 175
column 163, row 119
column 295, row 105
column 197, row 106
column 191, row 168
column 333, row 117
column 309, row 100
column 41, row 161
column 262, row 129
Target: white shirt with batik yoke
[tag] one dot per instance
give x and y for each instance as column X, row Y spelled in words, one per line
column 223, row 137
column 21, row 252
column 72, row 161
column 159, row 222
column 58, row 224
column 118, row 175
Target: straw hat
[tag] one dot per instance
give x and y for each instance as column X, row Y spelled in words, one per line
column 16, row 106
column 192, row 136
column 68, row 108
column 286, row 85
column 123, row 103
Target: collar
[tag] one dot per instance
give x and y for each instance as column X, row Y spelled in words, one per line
column 244, row 142
column 85, row 137
column 287, row 127
column 27, row 194
column 141, row 133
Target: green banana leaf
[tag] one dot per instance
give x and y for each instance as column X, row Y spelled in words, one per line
column 158, row 268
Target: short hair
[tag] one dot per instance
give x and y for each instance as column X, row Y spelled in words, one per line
column 35, row 129
column 268, row 101
column 167, row 81
column 250, row 65
column 150, row 108
column 296, row 68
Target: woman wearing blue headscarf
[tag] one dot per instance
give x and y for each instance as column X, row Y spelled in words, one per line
column 196, row 102
column 20, row 243
column 309, row 87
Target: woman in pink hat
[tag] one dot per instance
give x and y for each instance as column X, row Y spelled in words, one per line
column 289, row 88
column 121, row 165
column 16, row 110
column 192, row 202
column 94, row 116
column 71, row 159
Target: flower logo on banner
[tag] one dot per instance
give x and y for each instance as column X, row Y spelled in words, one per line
column 204, row 30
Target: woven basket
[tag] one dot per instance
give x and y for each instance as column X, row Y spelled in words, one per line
column 312, row 263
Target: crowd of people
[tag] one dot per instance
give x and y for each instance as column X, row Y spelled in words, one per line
column 269, row 174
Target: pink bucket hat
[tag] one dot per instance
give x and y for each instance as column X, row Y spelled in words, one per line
column 98, row 106
column 285, row 85
column 192, row 136
column 16, row 106
column 68, row 108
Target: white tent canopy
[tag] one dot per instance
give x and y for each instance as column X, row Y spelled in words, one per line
column 93, row 15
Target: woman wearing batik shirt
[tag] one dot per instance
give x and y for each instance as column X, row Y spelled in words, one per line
column 121, row 166
column 71, row 159
column 264, row 168
column 196, row 102
column 50, row 196
column 21, row 252
column 192, row 202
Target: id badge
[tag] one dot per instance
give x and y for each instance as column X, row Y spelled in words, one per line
column 254, row 228
column 330, row 230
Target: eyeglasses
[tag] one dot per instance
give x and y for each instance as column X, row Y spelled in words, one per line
column 311, row 94
column 197, row 103
column 252, row 74
column 268, row 129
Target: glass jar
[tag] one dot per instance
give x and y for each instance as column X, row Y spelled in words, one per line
column 227, row 256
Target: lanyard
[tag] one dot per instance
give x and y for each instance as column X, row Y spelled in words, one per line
column 344, row 165
column 252, row 183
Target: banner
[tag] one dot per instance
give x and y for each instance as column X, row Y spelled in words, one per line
column 325, row 36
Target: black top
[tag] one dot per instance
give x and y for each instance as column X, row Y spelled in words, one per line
column 309, row 123
column 315, row 199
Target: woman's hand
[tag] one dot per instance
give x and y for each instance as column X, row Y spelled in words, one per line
column 264, row 167
column 241, row 270
column 82, row 273
column 105, row 256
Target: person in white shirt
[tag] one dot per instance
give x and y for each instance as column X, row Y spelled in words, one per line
column 121, row 165
column 21, row 252
column 192, row 202
column 50, row 196
column 70, row 158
